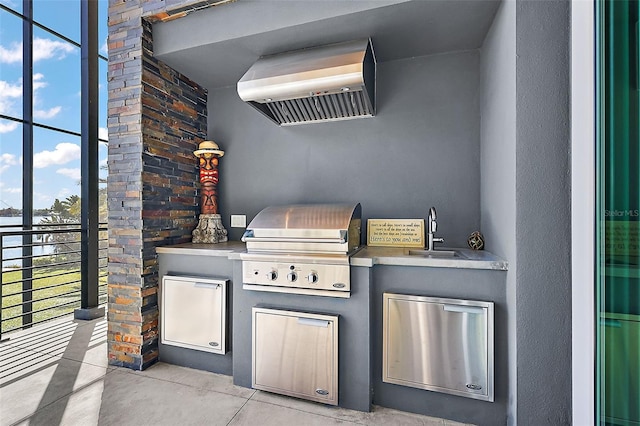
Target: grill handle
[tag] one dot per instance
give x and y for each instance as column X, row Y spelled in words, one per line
column 295, row 240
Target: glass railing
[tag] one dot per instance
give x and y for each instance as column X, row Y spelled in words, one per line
column 42, row 273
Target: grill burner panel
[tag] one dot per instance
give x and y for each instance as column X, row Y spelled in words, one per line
column 316, row 276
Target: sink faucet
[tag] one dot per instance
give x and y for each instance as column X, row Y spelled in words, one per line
column 432, row 227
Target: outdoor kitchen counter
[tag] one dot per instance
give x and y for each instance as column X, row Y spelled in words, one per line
column 375, row 271
column 367, row 256
column 399, row 256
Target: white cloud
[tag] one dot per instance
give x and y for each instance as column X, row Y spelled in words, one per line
column 63, row 193
column 41, row 199
column 13, row 190
column 104, row 49
column 11, row 4
column 9, row 94
column 9, row 159
column 39, row 83
column 42, row 196
column 8, row 126
column 11, row 90
column 11, row 55
column 43, row 48
column 6, row 161
column 46, row 113
column 70, row 173
column 48, row 198
column 64, row 153
column 103, row 133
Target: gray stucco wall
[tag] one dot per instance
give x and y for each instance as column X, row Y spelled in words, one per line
column 421, row 150
column 525, row 195
column 498, row 165
column 543, row 213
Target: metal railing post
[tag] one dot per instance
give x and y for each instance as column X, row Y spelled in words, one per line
column 27, row 160
column 89, row 155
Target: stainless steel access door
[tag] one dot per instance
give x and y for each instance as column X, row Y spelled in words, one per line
column 296, row 354
column 443, row 345
column 193, row 312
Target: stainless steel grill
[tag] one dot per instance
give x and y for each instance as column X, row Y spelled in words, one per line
column 302, row 249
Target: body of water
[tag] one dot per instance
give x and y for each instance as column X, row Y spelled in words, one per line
column 9, row 243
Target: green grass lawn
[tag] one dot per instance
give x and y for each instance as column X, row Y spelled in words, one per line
column 51, row 302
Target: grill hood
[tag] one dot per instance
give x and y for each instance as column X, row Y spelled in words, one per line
column 327, row 83
column 329, row 228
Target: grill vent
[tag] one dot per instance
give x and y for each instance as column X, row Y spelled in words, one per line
column 340, row 106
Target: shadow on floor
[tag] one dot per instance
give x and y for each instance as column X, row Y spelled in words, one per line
column 59, row 375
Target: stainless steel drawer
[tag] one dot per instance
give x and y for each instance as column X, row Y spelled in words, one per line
column 443, row 345
column 193, row 313
column 296, row 354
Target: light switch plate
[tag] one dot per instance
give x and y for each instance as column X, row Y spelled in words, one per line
column 238, row 221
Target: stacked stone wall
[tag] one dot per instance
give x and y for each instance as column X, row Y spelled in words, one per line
column 156, row 118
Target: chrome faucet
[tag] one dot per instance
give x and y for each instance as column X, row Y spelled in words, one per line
column 432, row 227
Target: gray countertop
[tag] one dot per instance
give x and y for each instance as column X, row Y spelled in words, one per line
column 226, row 249
column 367, row 256
column 399, row 256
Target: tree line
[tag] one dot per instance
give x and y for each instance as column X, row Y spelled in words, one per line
column 11, row 212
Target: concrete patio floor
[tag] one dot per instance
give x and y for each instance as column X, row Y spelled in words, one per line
column 57, row 373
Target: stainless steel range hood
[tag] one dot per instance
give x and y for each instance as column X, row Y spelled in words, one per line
column 327, row 83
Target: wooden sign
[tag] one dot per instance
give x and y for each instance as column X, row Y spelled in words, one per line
column 395, row 232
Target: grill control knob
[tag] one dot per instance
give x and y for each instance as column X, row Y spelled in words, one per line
column 292, row 276
column 272, row 275
column 312, row 278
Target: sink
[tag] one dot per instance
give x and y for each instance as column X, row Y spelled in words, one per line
column 436, row 253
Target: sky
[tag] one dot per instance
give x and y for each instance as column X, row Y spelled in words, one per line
column 56, row 101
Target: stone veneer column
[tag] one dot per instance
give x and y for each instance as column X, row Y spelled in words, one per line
column 156, row 118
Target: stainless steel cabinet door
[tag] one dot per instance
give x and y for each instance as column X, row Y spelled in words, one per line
column 296, row 354
column 443, row 345
column 193, row 313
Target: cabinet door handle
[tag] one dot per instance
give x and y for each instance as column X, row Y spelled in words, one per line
column 214, row 285
column 464, row 309
column 313, row 322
